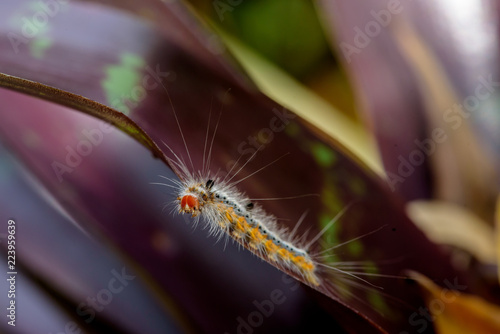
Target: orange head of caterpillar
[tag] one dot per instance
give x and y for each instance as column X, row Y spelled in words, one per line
column 195, row 198
column 190, row 204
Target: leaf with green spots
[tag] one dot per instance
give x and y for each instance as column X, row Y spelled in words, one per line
column 323, row 154
column 355, row 248
column 122, row 84
column 39, row 46
column 85, row 105
column 378, row 303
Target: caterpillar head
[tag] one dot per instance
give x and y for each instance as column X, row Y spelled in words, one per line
column 189, row 204
column 193, row 200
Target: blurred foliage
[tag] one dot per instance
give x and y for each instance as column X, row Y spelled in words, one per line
column 433, row 201
column 289, row 34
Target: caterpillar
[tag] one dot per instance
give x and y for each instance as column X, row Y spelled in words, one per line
column 226, row 211
column 229, row 212
column 216, row 201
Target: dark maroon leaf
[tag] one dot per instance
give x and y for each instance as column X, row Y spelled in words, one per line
column 79, row 59
column 116, row 200
column 69, row 264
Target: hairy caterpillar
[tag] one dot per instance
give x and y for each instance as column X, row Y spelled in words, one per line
column 226, row 211
column 230, row 212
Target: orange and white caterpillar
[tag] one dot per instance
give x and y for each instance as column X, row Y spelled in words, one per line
column 226, row 210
